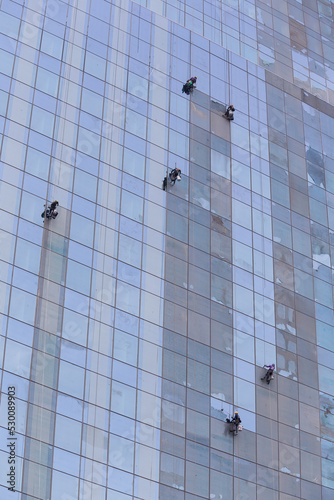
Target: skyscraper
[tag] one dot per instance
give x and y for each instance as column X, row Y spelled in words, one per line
column 137, row 322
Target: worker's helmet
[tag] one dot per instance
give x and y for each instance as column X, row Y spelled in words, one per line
column 235, row 412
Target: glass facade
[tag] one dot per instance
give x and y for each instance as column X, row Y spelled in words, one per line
column 139, row 319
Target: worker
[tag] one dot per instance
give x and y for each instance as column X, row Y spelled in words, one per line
column 235, row 423
column 50, row 212
column 53, row 214
column 53, row 210
column 269, row 375
column 229, row 113
column 192, row 80
column 54, row 204
column 45, row 213
column 236, row 419
column 174, row 175
column 189, row 85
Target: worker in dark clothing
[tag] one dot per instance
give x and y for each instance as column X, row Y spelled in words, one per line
column 53, row 210
column 192, row 80
column 174, row 175
column 269, row 375
column 236, row 419
column 53, row 205
column 46, row 213
column 235, row 423
column 189, row 85
column 53, row 214
column 229, row 113
column 50, row 212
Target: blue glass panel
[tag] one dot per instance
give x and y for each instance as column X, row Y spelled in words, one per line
column 9, row 25
column 126, row 322
column 25, row 280
column 52, row 45
column 20, row 332
column 122, row 426
column 139, row 49
column 68, row 431
column 95, row 64
column 66, row 461
column 7, row 61
column 71, row 407
column 125, row 347
column 129, row 274
column 44, row 101
column 49, row 63
column 78, row 277
column 87, row 163
column 22, row 306
column 35, row 185
column 71, row 379
column 124, row 373
column 123, row 399
column 57, row 10
column 92, row 102
column 77, row 302
column 131, row 228
column 98, row 30
column 40, row 142
column 37, row 163
column 83, row 207
column 4, row 84
column 31, row 232
column 82, row 230
column 47, row 82
column 138, row 68
column 94, row 84
column 54, row 27
column 73, row 353
column 133, row 162
column 85, row 185
column 88, row 141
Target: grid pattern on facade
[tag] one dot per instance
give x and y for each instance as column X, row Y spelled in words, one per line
column 293, row 38
column 139, row 319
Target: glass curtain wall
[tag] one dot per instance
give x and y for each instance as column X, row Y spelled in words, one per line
column 140, row 319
